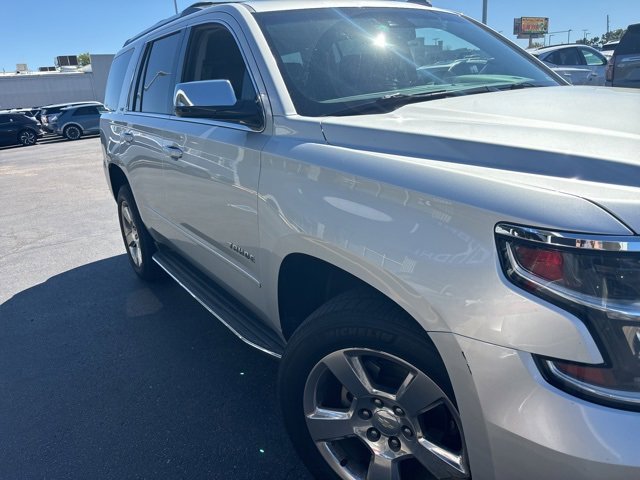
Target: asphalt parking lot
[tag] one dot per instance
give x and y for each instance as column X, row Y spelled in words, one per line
column 102, row 375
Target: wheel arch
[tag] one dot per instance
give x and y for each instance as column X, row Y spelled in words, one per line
column 72, row 124
column 117, row 178
column 305, row 281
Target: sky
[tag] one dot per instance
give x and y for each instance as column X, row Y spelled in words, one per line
column 71, row 27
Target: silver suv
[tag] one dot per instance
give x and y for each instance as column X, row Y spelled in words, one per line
column 74, row 122
column 433, row 231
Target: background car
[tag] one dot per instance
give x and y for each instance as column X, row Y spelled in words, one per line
column 608, row 49
column 49, row 110
column 580, row 64
column 73, row 122
column 624, row 67
column 18, row 129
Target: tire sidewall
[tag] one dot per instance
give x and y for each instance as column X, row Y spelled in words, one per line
column 148, row 270
column 342, row 330
column 70, row 128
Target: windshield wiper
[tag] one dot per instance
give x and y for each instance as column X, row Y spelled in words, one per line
column 389, row 103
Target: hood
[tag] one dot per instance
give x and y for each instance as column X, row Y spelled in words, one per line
column 583, row 141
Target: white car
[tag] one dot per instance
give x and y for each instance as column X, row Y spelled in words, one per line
column 579, row 64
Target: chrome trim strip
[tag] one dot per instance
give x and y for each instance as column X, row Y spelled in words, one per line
column 585, row 241
column 212, row 312
column 600, row 392
column 615, row 310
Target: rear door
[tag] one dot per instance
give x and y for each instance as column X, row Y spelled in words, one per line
column 626, row 69
column 87, row 117
column 146, row 122
column 8, row 132
column 596, row 62
column 212, row 166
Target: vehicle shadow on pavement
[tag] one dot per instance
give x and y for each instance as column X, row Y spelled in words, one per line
column 105, row 376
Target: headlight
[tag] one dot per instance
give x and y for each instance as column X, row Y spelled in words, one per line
column 596, row 278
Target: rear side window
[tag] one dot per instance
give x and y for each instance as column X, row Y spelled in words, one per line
column 157, row 78
column 630, row 42
column 85, row 111
column 116, row 79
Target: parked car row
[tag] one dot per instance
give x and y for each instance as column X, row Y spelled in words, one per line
column 23, row 126
column 617, row 64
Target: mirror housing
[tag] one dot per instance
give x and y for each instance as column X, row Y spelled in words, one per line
column 216, row 100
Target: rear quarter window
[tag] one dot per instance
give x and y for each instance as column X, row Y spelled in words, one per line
column 630, row 42
column 115, row 81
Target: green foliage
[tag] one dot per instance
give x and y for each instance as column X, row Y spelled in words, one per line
column 84, row 59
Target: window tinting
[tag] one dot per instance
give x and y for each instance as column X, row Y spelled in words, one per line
column 155, row 88
column 565, row 56
column 630, row 42
column 214, row 54
column 116, row 79
column 85, row 111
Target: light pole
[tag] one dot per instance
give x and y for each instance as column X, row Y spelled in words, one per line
column 175, row 5
column 569, row 36
column 550, row 37
column 585, row 34
column 485, row 7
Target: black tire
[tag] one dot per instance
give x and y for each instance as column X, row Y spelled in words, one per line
column 357, row 319
column 27, row 137
column 145, row 268
column 72, row 132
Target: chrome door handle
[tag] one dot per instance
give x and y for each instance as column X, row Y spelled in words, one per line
column 173, row 152
column 127, row 137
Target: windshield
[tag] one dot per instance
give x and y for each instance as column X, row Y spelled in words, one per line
column 336, row 59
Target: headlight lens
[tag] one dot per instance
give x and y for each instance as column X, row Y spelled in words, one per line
column 597, row 279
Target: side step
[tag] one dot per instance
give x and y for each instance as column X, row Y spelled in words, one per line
column 222, row 305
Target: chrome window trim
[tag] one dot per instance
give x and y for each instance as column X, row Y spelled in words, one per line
column 599, row 392
column 584, row 241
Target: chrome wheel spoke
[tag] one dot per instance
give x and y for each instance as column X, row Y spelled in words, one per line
column 326, row 425
column 350, row 372
column 440, row 462
column 417, row 392
column 126, row 214
column 383, row 468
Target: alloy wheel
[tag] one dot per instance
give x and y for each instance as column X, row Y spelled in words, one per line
column 130, row 232
column 73, row 133
column 27, row 137
column 373, row 416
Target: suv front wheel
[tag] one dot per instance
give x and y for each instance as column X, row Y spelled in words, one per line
column 365, row 395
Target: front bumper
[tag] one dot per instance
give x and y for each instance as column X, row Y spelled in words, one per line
column 517, row 426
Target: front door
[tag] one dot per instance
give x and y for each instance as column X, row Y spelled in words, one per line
column 212, row 167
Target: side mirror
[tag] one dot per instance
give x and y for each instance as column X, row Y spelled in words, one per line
column 215, row 99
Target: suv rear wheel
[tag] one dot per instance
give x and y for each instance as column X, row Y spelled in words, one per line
column 137, row 240
column 72, row 132
column 365, row 396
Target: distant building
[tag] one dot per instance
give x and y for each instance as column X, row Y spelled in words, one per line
column 67, row 84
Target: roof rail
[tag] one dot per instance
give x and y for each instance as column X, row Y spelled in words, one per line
column 187, row 11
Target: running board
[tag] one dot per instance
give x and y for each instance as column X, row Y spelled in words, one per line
column 222, row 305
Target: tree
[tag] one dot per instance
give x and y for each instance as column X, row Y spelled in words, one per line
column 613, row 35
column 84, row 59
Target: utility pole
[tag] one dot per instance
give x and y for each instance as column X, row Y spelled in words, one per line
column 485, row 7
column 175, row 5
column 607, row 24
